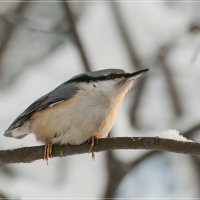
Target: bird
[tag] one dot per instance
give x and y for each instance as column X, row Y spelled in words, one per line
column 81, row 109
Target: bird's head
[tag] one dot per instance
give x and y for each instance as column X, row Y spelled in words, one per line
column 111, row 81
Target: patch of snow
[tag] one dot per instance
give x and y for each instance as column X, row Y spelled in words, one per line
column 174, row 135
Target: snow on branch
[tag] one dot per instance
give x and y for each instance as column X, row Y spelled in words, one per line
column 30, row 154
column 173, row 135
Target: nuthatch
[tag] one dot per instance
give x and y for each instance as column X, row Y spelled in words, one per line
column 82, row 108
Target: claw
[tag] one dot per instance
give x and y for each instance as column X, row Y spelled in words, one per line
column 48, row 150
column 94, row 140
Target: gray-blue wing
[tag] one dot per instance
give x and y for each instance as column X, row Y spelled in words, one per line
column 62, row 92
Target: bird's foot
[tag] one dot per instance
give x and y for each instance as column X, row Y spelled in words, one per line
column 48, row 150
column 94, row 141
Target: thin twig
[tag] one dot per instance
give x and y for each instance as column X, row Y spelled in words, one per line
column 139, row 90
column 130, row 48
column 3, row 196
column 168, row 77
column 115, row 173
column 190, row 132
column 76, row 36
column 30, row 154
column 134, row 58
column 118, row 170
column 10, row 30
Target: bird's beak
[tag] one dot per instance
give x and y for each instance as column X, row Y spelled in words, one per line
column 136, row 74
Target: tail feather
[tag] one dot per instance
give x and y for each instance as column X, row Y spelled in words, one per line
column 18, row 132
column 8, row 134
column 15, row 133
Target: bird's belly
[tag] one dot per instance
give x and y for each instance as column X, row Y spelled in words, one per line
column 68, row 124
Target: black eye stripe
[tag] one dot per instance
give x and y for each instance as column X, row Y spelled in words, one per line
column 111, row 76
column 87, row 79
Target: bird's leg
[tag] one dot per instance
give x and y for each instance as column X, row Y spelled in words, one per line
column 93, row 140
column 48, row 150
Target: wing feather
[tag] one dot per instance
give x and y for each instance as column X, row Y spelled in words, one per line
column 61, row 93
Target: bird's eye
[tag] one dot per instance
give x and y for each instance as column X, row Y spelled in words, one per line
column 92, row 83
column 111, row 76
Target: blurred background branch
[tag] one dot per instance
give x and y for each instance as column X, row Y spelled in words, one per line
column 136, row 61
column 76, row 36
column 9, row 30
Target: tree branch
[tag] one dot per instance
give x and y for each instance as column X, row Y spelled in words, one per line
column 30, row 154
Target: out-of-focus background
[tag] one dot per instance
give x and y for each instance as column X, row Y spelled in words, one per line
column 42, row 44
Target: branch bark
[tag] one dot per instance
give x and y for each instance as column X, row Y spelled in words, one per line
column 30, row 154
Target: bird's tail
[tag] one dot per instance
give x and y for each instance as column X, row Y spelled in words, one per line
column 18, row 132
column 15, row 133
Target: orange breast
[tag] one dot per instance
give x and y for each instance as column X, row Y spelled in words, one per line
column 108, row 122
column 46, row 123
